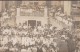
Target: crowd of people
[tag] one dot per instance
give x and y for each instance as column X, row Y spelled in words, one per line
column 46, row 38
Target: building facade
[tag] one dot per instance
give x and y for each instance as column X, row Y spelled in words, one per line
column 35, row 12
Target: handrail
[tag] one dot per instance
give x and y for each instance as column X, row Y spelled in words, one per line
column 64, row 20
column 59, row 22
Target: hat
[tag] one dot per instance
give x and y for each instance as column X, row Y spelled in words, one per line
column 63, row 36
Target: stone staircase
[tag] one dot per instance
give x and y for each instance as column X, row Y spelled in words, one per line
column 60, row 22
column 57, row 23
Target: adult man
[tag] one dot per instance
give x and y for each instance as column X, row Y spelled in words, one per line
column 71, row 45
column 62, row 45
column 39, row 49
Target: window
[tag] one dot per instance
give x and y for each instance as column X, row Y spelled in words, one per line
column 75, row 8
column 18, row 3
column 74, row 2
column 32, row 9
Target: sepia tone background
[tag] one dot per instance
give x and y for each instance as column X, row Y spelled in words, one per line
column 53, row 25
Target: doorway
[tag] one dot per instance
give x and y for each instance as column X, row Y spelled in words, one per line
column 32, row 23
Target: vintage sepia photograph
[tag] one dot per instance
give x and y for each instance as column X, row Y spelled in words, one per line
column 39, row 26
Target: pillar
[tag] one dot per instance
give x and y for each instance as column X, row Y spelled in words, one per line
column 45, row 12
column 18, row 11
column 67, row 7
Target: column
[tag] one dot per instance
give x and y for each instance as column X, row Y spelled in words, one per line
column 18, row 11
column 45, row 12
column 3, row 5
column 67, row 7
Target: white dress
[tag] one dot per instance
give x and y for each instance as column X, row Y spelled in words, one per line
column 23, row 50
column 5, row 40
column 14, row 40
column 23, row 40
column 34, row 49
